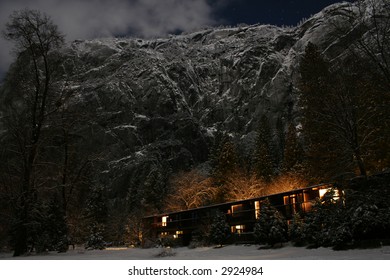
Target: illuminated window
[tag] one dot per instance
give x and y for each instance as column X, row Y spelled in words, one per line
column 178, row 232
column 164, row 233
column 257, row 209
column 237, row 229
column 306, row 202
column 336, row 194
column 164, row 221
column 291, row 203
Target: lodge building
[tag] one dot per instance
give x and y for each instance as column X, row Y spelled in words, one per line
column 240, row 215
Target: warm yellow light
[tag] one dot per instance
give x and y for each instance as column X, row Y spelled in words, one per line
column 164, row 221
column 257, row 209
column 324, row 191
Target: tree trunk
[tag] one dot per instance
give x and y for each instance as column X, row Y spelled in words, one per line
column 360, row 163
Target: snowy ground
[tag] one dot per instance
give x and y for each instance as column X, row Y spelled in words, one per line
column 232, row 252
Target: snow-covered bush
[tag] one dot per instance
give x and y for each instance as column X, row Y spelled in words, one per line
column 48, row 228
column 296, row 231
column 328, row 224
column 219, row 230
column 95, row 238
column 271, row 227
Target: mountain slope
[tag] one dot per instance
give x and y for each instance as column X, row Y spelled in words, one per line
column 156, row 104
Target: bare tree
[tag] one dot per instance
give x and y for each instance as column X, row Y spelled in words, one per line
column 35, row 37
column 242, row 186
column 344, row 115
column 366, row 23
column 190, row 190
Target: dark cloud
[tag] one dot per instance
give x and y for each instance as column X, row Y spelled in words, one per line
column 80, row 19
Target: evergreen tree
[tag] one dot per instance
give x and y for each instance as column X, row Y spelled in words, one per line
column 328, row 223
column 227, row 167
column 219, row 230
column 224, row 161
column 263, row 164
column 296, row 230
column 293, row 151
column 50, row 228
column 96, row 214
column 215, row 151
column 271, row 227
column 323, row 154
column 155, row 186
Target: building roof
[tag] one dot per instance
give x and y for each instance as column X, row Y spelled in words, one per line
column 238, row 201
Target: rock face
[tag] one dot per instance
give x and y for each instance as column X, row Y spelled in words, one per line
column 159, row 102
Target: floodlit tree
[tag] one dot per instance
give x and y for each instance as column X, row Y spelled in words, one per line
column 35, row 37
column 190, row 190
column 242, row 186
column 287, row 182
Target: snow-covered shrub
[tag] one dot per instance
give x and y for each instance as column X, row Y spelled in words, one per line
column 296, row 231
column 341, row 237
column 48, row 228
column 368, row 203
column 166, row 252
column 271, row 227
column 95, row 238
column 170, row 241
column 328, row 224
column 219, row 230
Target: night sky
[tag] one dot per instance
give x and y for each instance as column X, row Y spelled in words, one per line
column 154, row 18
column 277, row 12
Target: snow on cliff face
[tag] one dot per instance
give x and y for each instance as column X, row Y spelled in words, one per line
column 161, row 98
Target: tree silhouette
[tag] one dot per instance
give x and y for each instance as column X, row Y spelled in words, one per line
column 35, row 37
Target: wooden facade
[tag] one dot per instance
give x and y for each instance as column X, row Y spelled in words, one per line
column 240, row 215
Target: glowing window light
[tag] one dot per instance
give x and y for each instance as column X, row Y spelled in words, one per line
column 178, row 232
column 164, row 221
column 322, row 192
column 239, row 229
column 257, row 209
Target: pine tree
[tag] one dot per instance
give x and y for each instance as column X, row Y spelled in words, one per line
column 96, row 214
column 293, row 151
column 219, row 230
column 296, row 230
column 215, row 151
column 155, row 186
column 271, row 227
column 263, row 164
